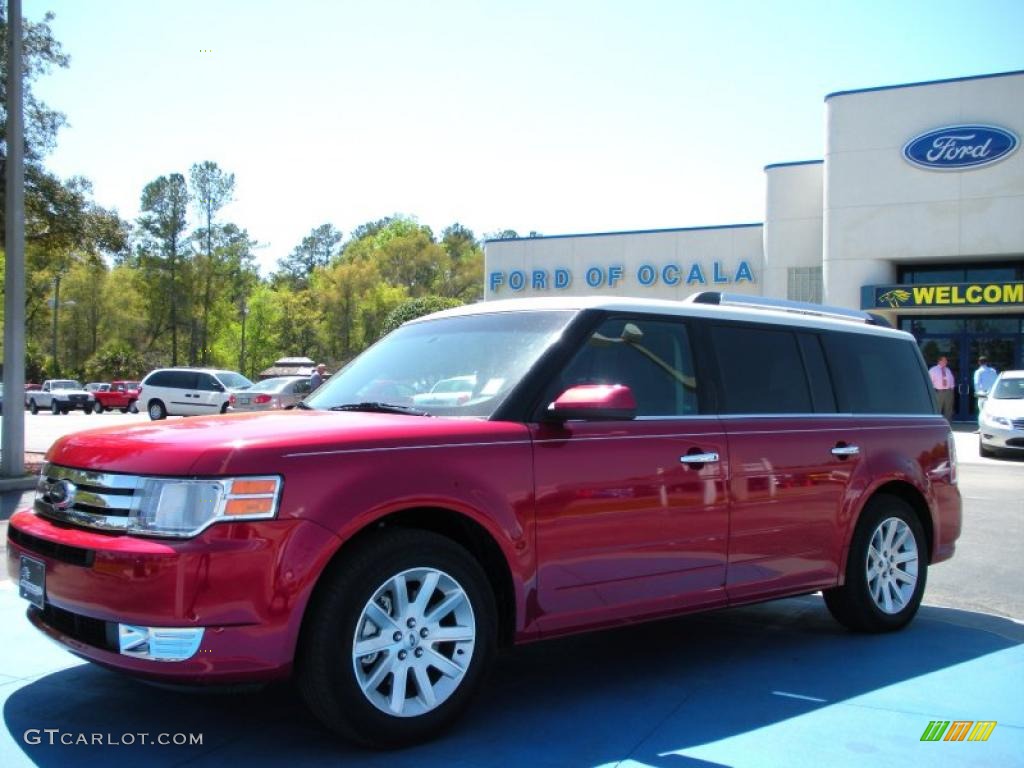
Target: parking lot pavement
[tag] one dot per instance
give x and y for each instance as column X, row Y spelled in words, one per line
column 772, row 685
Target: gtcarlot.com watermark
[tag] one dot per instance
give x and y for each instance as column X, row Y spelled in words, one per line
column 56, row 737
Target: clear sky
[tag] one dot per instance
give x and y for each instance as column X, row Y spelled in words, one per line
column 557, row 116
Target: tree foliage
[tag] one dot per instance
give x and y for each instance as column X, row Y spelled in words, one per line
column 413, row 308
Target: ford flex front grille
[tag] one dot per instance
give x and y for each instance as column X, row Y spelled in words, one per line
column 91, row 499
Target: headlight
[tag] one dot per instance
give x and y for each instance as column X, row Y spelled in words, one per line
column 171, row 507
column 995, row 421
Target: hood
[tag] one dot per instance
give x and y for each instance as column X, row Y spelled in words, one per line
column 1010, row 409
column 254, row 442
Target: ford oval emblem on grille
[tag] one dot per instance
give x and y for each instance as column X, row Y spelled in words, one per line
column 60, row 494
column 960, row 147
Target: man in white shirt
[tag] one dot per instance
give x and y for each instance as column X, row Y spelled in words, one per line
column 943, row 381
column 984, row 378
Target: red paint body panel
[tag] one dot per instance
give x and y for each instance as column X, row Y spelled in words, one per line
column 598, row 523
column 247, row 582
column 624, row 529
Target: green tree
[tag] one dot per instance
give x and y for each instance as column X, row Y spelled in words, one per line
column 164, row 210
column 212, row 189
column 316, row 250
column 413, row 308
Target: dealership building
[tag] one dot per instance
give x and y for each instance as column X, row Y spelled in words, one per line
column 916, row 212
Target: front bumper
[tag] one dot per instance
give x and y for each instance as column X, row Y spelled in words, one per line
column 1002, row 438
column 245, row 584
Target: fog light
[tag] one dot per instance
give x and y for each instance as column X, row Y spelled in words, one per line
column 159, row 643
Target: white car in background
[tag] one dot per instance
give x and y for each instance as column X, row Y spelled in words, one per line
column 454, row 391
column 1002, row 416
column 190, row 391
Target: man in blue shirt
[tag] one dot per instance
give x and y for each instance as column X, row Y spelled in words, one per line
column 984, row 378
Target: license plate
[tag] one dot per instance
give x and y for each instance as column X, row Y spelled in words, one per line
column 32, row 582
column 243, row 400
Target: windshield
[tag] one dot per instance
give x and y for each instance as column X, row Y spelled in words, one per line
column 485, row 355
column 1009, row 389
column 68, row 384
column 271, row 385
column 233, row 380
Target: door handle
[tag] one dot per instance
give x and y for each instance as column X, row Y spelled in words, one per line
column 699, row 458
column 842, row 451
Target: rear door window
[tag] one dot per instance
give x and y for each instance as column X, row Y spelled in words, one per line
column 762, row 370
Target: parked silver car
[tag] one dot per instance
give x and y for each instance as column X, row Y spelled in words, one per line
column 272, row 394
column 1002, row 416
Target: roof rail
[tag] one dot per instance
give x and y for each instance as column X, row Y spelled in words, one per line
column 785, row 305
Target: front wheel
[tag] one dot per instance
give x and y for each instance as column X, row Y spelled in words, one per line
column 886, row 570
column 156, row 410
column 984, row 450
column 98, row 407
column 398, row 639
column 54, row 408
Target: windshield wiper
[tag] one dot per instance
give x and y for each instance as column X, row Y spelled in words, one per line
column 376, row 407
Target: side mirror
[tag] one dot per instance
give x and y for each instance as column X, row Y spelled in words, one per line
column 594, row 402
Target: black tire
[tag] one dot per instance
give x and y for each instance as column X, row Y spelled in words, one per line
column 54, row 408
column 85, row 410
column 852, row 604
column 156, row 410
column 32, row 407
column 133, row 407
column 326, row 670
column 98, row 407
column 224, row 408
column 984, row 450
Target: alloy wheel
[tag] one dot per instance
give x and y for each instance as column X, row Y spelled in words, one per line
column 413, row 642
column 892, row 564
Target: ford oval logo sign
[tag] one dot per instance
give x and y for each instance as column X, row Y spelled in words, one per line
column 959, row 147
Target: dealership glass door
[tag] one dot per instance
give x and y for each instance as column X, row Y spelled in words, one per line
column 962, row 341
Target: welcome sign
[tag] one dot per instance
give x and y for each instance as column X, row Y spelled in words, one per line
column 942, row 295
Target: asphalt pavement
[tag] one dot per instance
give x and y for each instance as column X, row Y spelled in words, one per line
column 777, row 684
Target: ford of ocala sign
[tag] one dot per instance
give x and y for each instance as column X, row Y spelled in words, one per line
column 960, row 147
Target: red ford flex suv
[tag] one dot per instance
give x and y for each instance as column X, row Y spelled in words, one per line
column 615, row 460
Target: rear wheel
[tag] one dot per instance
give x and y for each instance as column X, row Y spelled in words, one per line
column 32, row 407
column 156, row 410
column 133, row 406
column 886, row 570
column 398, row 639
column 224, row 408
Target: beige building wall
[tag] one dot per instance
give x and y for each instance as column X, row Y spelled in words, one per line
column 793, row 222
column 881, row 211
column 662, row 264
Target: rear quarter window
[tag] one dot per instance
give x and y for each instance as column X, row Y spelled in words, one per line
column 875, row 374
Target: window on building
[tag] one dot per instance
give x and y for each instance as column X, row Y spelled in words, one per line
column 805, row 284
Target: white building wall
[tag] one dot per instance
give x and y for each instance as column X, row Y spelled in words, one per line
column 718, row 253
column 881, row 211
column 793, row 222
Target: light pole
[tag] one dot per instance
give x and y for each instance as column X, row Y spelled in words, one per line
column 56, row 302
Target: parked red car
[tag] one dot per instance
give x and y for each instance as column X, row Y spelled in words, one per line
column 617, row 460
column 122, row 395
